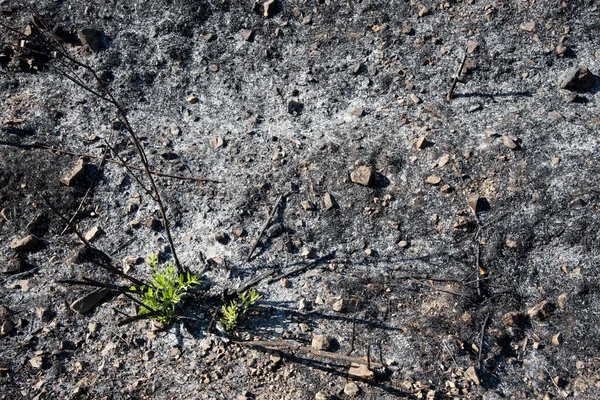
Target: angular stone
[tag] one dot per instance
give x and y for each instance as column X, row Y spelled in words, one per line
column 91, row 39
column 471, row 373
column 360, row 371
column 363, row 175
column 510, row 142
column 153, row 223
column 77, row 172
column 513, row 319
column 528, row 26
column 329, row 201
column 93, row 234
column 192, row 99
column 351, row 389
column 562, row 300
column 25, row 245
column 472, row 46
column 423, row 11
column 557, row 339
column 414, row 98
column 247, row 34
column 433, row 180
column 540, row 311
column 87, row 302
column 36, row 362
column 580, row 78
column 269, row 8
column 422, row 143
column 6, row 327
column 221, row 237
column 216, row 142
column 320, row 342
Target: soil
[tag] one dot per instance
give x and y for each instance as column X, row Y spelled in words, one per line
column 470, row 213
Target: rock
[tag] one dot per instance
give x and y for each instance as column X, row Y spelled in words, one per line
column 472, row 46
column 473, row 201
column 307, row 20
column 540, row 311
column 514, row 319
column 91, row 39
column 580, row 78
column 407, row 30
column 471, row 373
column 562, row 300
column 446, row 189
column 423, row 11
column 37, row 362
column 295, row 107
column 357, row 111
column 221, row 237
column 94, row 327
column 77, row 172
column 6, row 328
column 247, row 34
column 510, row 142
column 269, row 8
column 87, row 302
column 360, row 371
column 357, row 68
column 13, row 266
column 339, row 305
column 433, row 180
column 192, row 99
column 422, row 143
column 93, row 234
column 403, row 244
column 557, row 339
column 153, row 224
column 322, row 396
column 351, row 389
column 414, row 98
column 443, row 160
column 309, row 252
column 303, row 305
column 216, row 142
column 561, row 50
column 44, row 314
column 275, row 230
column 207, row 37
column 363, row 175
column 559, row 381
column 329, row 201
column 320, row 342
column 213, row 68
column 25, row 245
column 528, row 26
column 308, row 205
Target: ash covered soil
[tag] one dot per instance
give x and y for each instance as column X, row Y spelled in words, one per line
column 464, row 235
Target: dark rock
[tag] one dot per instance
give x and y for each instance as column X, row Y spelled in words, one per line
column 580, row 78
column 274, row 230
column 295, row 107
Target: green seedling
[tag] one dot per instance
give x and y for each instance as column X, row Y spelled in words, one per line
column 164, row 291
column 238, row 308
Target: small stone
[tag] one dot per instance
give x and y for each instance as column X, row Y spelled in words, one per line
column 240, row 232
column 555, row 115
column 275, row 230
column 93, row 234
column 339, row 305
column 295, row 107
column 559, row 381
column 44, row 314
column 309, row 252
column 303, row 305
column 27, row 244
column 275, row 357
column 363, row 175
column 37, row 362
column 407, row 30
column 153, row 224
column 514, row 319
column 360, row 371
column 473, row 201
column 329, row 201
column 6, row 328
column 357, row 111
column 557, row 339
column 135, row 224
column 443, row 160
column 207, row 37
column 357, row 68
column 423, row 11
column 307, row 20
column 91, row 39
column 422, row 143
column 510, row 243
column 192, row 99
column 561, row 50
column 308, row 205
column 94, row 327
column 320, row 342
column 562, row 300
column 471, row 373
column 472, row 46
column 322, row 396
column 213, row 68
column 580, row 78
column 414, row 98
column 247, row 34
column 510, row 142
column 528, row 26
column 216, row 142
column 446, row 189
column 87, row 302
column 555, row 161
column 433, row 180
column 285, row 283
column 221, row 237
column 540, row 311
column 77, row 172
column 403, row 244
column 351, row 389
column 475, row 107
column 269, row 8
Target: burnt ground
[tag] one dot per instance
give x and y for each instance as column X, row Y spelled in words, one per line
column 350, row 67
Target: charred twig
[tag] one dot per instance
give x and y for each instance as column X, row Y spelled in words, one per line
column 303, row 267
column 351, row 349
column 428, row 278
column 444, row 290
column 481, row 341
column 107, row 95
column 293, row 346
column 253, row 281
column 264, row 228
column 478, row 268
column 135, row 318
column 456, row 77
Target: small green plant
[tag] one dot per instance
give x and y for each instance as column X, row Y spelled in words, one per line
column 164, row 291
column 235, row 309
